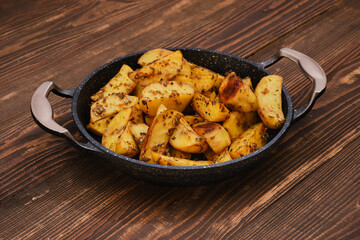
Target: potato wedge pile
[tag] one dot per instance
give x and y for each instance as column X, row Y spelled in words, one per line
column 173, row 112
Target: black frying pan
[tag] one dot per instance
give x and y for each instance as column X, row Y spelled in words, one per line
column 218, row 62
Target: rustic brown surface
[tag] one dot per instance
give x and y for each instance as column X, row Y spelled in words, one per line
column 309, row 189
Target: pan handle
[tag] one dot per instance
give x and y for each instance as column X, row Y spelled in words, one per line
column 42, row 113
column 311, row 69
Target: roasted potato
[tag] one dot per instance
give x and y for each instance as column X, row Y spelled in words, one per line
column 116, row 128
column 162, row 69
column 186, row 69
column 235, row 124
column 249, row 141
column 215, row 135
column 248, row 81
column 218, row 81
column 120, row 84
column 99, row 126
column 139, row 132
column 126, row 144
column 268, row 93
column 201, row 79
column 186, row 139
column 137, row 115
column 237, row 94
column 110, row 105
column 153, row 55
column 173, row 95
column 223, row 156
column 178, row 154
column 173, row 161
column 159, row 133
column 210, row 110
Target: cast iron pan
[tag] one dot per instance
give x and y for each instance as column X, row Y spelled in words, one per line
column 170, row 175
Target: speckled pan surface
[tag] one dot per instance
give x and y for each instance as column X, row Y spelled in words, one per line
column 170, row 175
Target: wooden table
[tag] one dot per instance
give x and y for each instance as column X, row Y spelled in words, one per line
column 308, row 189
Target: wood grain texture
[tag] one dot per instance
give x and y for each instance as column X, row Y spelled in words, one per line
column 308, row 189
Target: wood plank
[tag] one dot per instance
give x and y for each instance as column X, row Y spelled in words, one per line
column 82, row 199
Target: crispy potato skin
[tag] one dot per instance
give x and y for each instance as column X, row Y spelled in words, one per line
column 237, row 94
column 249, row 141
column 173, row 95
column 268, row 92
column 162, row 69
column 159, row 134
column 215, row 135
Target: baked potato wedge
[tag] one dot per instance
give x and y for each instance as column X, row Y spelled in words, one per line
column 137, row 115
column 223, row 156
column 249, row 141
column 119, row 84
column 235, row 124
column 162, row 69
column 159, row 133
column 201, row 79
column 139, row 131
column 178, row 154
column 173, row 161
column 218, row 81
column 116, row 128
column 237, row 94
column 186, row 68
column 268, row 93
column 186, row 139
column 208, row 109
column 99, row 126
column 248, row 81
column 215, row 135
column 173, row 95
column 110, row 105
column 153, row 55
column 126, row 144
